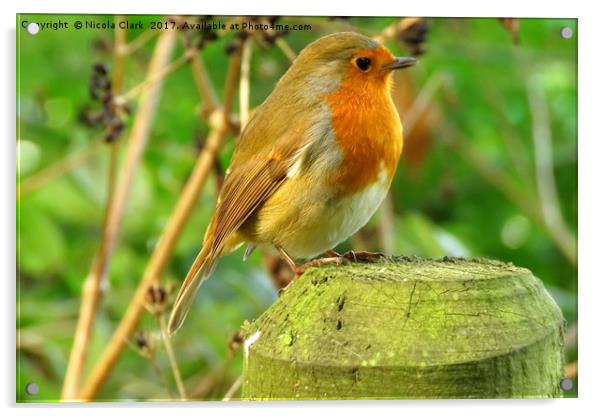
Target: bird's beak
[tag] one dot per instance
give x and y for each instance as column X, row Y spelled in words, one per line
column 400, row 62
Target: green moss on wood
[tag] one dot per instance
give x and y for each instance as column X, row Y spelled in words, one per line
column 407, row 328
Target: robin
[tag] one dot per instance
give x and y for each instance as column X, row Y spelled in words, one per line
column 312, row 165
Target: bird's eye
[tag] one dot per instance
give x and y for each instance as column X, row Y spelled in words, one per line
column 363, row 63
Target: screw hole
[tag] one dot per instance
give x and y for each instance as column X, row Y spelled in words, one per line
column 32, row 389
column 566, row 32
column 566, row 384
column 32, row 28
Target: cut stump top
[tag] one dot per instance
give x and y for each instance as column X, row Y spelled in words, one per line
column 422, row 316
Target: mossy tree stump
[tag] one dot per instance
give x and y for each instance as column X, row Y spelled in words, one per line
column 407, row 329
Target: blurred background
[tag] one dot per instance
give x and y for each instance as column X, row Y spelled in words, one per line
column 489, row 169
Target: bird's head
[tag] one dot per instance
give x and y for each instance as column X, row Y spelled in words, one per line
column 350, row 56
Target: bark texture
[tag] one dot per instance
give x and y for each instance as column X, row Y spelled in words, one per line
column 406, row 328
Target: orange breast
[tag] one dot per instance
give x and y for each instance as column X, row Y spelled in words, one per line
column 368, row 130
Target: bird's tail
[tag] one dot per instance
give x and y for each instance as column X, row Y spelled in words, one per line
column 199, row 272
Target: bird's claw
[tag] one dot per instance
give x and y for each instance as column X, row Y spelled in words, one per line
column 358, row 255
column 300, row 269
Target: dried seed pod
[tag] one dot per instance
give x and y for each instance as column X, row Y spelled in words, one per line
column 412, row 32
column 512, row 25
column 90, row 117
column 156, row 300
column 102, row 45
column 269, row 38
column 242, row 34
column 101, row 90
column 232, row 47
column 144, row 344
column 210, row 35
column 114, row 131
column 100, row 68
column 141, row 340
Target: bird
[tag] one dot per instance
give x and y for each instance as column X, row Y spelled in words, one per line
column 313, row 163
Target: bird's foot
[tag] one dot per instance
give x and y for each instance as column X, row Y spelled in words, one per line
column 357, row 255
column 299, row 269
column 332, row 258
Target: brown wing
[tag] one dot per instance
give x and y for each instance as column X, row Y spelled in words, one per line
column 247, row 185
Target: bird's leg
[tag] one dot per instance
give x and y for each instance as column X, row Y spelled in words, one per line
column 356, row 255
column 287, row 258
column 299, row 269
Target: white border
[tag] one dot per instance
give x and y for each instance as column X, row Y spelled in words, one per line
column 590, row 209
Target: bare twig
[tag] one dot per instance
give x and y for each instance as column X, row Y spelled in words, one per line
column 244, row 90
column 164, row 248
column 154, row 79
column 172, row 358
column 209, row 383
column 395, row 28
column 59, row 168
column 544, row 174
column 515, row 145
column 386, row 225
column 422, row 102
column 571, row 370
column 571, row 336
column 119, row 65
column 495, row 175
column 203, row 83
column 286, row 49
column 118, row 55
column 139, row 41
column 233, row 389
column 93, row 285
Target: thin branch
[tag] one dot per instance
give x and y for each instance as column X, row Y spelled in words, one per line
column 206, row 384
column 422, row 102
column 154, row 79
column 515, row 145
column 203, row 83
column 244, row 90
column 386, row 225
column 163, row 251
column 495, row 175
column 544, row 174
column 138, row 42
column 396, row 28
column 233, row 389
column 571, row 336
column 172, row 358
column 59, row 168
column 286, row 49
column 118, row 55
column 571, row 370
column 118, row 76
column 280, row 42
column 93, row 285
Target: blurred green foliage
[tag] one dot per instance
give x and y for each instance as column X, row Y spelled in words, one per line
column 442, row 205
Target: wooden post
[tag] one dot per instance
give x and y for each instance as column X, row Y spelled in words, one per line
column 407, row 328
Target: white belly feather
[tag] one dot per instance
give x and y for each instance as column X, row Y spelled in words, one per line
column 329, row 222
